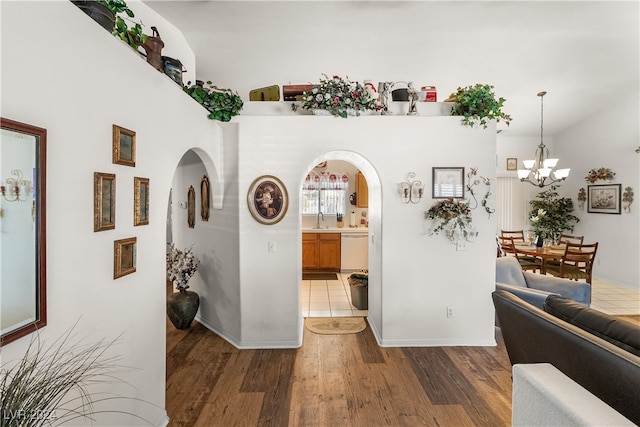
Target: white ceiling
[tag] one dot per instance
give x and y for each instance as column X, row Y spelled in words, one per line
column 585, row 54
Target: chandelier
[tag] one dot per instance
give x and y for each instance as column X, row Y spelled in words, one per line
column 540, row 171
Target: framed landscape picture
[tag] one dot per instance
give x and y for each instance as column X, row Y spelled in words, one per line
column 604, row 198
column 104, row 201
column 448, row 183
column 124, row 146
column 124, row 257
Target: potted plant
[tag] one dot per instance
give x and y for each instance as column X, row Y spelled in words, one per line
column 340, row 97
column 551, row 215
column 52, row 385
column 478, row 104
column 112, row 16
column 222, row 104
column 183, row 305
column 452, row 216
column 359, row 286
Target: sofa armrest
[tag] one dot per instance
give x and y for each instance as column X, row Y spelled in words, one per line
column 577, row 291
column 544, row 396
column 534, row 297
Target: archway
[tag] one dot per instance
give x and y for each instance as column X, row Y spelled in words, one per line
column 374, row 229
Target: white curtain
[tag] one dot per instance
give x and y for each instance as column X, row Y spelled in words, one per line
column 512, row 204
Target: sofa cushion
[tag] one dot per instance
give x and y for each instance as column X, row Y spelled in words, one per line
column 618, row 332
column 508, row 270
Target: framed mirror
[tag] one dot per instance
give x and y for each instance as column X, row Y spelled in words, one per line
column 23, row 296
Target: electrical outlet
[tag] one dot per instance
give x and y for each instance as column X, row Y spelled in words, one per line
column 272, row 245
column 461, row 246
column 449, row 311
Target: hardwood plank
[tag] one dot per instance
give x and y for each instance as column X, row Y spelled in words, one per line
column 334, row 380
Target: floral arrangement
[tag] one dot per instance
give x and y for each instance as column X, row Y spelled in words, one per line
column 599, row 174
column 582, row 198
column 472, row 182
column 451, row 215
column 339, row 96
column 627, row 199
column 181, row 266
column 551, row 214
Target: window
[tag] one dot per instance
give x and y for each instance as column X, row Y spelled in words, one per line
column 330, row 202
column 324, row 192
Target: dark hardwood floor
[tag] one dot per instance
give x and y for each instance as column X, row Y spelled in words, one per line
column 334, row 380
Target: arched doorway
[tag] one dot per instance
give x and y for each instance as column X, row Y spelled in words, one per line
column 373, row 216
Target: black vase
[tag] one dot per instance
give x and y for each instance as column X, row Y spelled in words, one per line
column 539, row 241
column 98, row 12
column 182, row 308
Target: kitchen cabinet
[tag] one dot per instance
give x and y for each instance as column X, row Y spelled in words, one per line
column 321, row 251
column 362, row 191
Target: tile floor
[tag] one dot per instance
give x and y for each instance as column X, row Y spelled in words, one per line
column 612, row 299
column 328, row 298
column 332, row 298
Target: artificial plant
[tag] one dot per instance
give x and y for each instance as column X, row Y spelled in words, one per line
column 478, row 104
column 222, row 104
column 551, row 214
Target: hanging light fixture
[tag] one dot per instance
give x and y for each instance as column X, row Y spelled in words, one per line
column 541, row 172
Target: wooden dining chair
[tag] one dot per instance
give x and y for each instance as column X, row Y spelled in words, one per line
column 577, row 262
column 516, row 235
column 565, row 238
column 529, row 263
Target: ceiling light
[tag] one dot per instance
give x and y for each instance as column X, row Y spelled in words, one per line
column 541, row 172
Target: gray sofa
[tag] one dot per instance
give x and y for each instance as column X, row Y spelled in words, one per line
column 597, row 351
column 534, row 288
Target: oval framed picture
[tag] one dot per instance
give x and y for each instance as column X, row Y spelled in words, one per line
column 268, row 200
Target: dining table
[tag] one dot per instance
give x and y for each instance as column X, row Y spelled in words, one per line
column 545, row 253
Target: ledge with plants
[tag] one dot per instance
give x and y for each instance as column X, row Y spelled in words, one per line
column 222, row 104
column 340, row 97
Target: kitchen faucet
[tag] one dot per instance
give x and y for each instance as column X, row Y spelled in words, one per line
column 320, row 214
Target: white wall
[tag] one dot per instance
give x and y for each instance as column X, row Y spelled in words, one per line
column 76, row 80
column 419, row 275
column 607, row 139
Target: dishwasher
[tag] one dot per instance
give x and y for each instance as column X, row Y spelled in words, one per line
column 354, row 251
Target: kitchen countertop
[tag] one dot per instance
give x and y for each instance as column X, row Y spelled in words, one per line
column 336, row 230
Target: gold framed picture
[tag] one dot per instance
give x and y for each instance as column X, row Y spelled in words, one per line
column 204, row 198
column 124, row 257
column 124, row 146
column 104, row 201
column 512, row 163
column 140, row 201
column 268, row 199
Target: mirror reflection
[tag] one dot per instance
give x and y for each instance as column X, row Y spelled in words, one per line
column 22, row 249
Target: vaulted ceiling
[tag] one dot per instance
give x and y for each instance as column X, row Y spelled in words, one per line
column 585, row 54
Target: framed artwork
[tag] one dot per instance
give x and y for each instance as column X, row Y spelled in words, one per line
column 268, row 200
column 604, row 198
column 124, row 146
column 512, row 163
column 140, row 201
column 204, row 198
column 448, row 183
column 191, row 207
column 124, row 257
column 104, row 201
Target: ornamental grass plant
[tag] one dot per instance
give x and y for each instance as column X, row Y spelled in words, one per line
column 55, row 384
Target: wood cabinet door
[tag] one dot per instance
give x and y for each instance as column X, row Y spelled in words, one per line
column 362, row 191
column 309, row 250
column 329, row 250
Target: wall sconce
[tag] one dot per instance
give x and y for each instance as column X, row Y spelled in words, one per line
column 412, row 190
column 16, row 189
